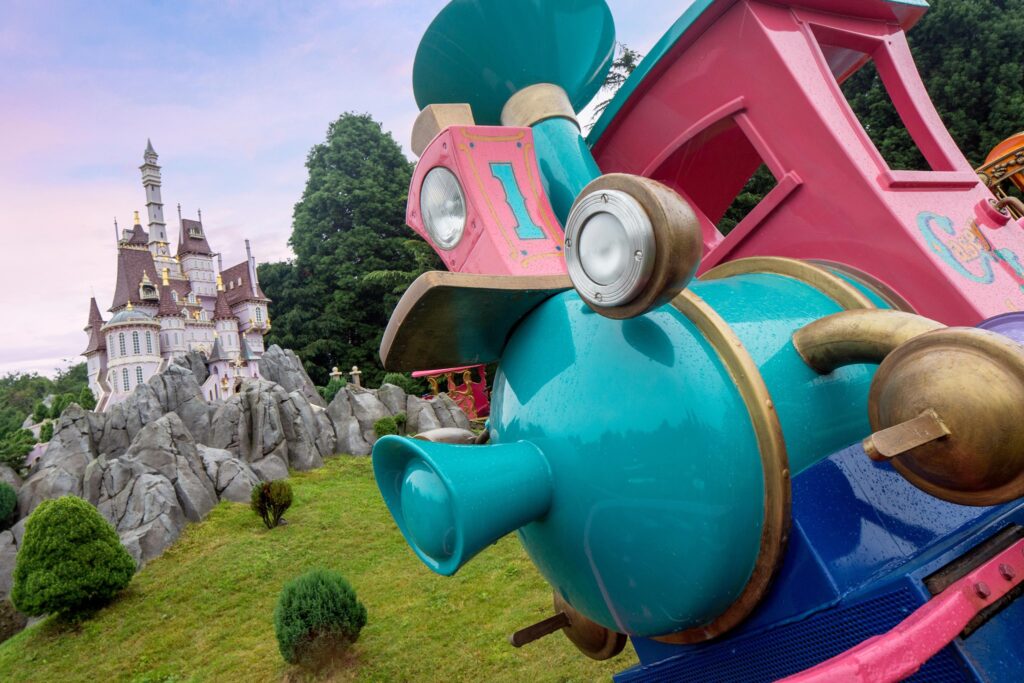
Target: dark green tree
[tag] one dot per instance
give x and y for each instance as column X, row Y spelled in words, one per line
column 350, row 222
column 625, row 62
column 968, row 54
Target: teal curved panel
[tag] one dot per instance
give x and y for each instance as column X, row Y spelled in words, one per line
column 481, row 52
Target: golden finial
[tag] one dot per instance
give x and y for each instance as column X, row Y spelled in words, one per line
column 220, row 283
column 167, row 276
column 129, row 306
column 137, row 221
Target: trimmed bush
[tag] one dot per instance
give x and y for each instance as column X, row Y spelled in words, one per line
column 400, row 420
column 317, row 617
column 405, row 382
column 8, row 504
column 269, row 500
column 46, row 432
column 385, row 426
column 333, row 387
column 70, row 561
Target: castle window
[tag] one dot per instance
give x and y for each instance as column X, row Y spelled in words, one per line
column 149, row 343
column 174, row 295
column 191, row 297
column 135, row 343
column 177, row 338
column 124, row 378
column 110, row 344
column 120, row 337
column 259, row 314
column 138, row 375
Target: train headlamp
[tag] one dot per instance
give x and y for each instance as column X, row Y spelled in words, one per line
column 631, row 244
column 609, row 248
column 443, row 207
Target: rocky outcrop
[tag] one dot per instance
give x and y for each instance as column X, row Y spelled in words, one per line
column 272, row 430
column 9, row 476
column 196, row 362
column 165, row 456
column 354, row 410
column 284, row 367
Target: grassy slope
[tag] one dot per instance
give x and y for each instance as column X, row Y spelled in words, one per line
column 203, row 610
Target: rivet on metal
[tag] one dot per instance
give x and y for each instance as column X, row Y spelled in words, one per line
column 982, row 590
column 604, row 198
column 1007, row 571
column 638, row 255
column 568, row 244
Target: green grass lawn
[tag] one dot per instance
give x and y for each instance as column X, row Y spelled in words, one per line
column 203, row 611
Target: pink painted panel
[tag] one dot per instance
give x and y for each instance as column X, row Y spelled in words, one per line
column 758, row 80
column 510, row 226
column 897, row 654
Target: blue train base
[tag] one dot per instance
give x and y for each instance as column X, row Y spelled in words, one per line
column 863, row 545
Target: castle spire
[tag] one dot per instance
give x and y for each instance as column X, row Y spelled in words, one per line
column 154, row 203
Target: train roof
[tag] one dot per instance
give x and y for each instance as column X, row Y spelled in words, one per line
column 703, row 13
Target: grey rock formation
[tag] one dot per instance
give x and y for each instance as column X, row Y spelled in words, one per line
column 354, row 411
column 231, row 477
column 196, row 362
column 392, row 397
column 264, row 422
column 9, row 476
column 420, row 415
column 346, row 427
column 8, row 555
column 61, row 469
column 284, row 367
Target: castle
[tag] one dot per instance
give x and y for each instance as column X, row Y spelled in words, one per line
column 166, row 305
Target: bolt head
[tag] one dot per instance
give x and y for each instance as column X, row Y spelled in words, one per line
column 1007, row 571
column 982, row 590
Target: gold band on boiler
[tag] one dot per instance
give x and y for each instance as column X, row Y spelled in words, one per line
column 775, row 464
column 822, row 279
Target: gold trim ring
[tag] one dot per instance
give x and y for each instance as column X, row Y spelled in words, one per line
column 775, row 465
column 825, row 281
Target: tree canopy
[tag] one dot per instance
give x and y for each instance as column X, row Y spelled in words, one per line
column 349, row 223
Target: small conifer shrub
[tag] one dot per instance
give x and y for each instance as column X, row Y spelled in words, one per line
column 385, row 426
column 70, row 561
column 317, row 617
column 8, row 505
column 269, row 500
column 400, row 420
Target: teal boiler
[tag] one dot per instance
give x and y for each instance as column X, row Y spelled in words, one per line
column 645, row 463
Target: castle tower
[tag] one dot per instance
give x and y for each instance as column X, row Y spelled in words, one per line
column 225, row 323
column 96, row 353
column 172, row 322
column 154, row 203
column 133, row 351
column 197, row 258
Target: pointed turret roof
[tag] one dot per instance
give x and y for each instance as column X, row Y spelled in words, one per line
column 247, row 353
column 192, row 239
column 222, row 310
column 138, row 235
column 168, row 307
column 94, row 313
column 97, row 341
column 217, row 352
column 149, row 147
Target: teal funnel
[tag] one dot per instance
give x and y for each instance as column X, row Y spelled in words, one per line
column 451, row 502
column 481, row 52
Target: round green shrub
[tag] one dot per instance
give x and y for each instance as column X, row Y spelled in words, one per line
column 8, row 504
column 385, row 426
column 317, row 617
column 269, row 500
column 70, row 561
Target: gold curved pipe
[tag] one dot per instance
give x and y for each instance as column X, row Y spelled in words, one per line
column 858, row 336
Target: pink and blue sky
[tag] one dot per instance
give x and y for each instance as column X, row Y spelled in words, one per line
column 232, row 94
